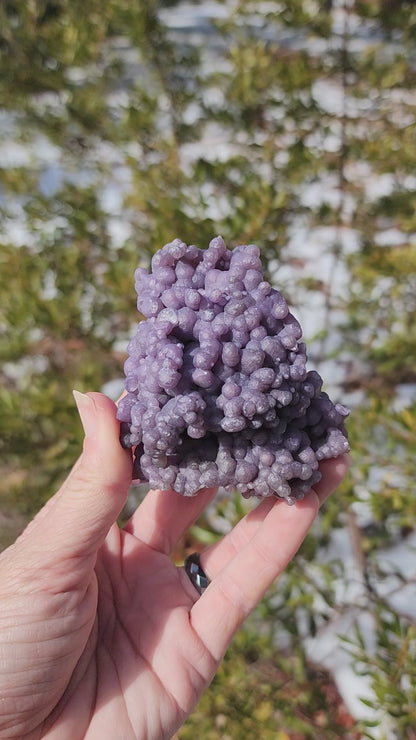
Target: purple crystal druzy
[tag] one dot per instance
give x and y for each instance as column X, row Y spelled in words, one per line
column 217, row 388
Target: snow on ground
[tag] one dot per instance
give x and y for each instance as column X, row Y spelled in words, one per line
column 309, row 254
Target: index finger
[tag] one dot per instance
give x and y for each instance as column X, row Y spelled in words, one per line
column 246, row 562
column 241, row 585
column 215, row 558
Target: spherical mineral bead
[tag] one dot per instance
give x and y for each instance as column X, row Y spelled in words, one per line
column 175, row 353
column 252, row 317
column 193, row 255
column 125, row 408
column 218, row 244
column 209, row 478
column 284, row 370
column 314, row 381
column 258, row 333
column 263, row 289
column 266, row 458
column 249, row 409
column 342, row 410
column 150, row 438
column 230, row 389
column 162, row 258
column 254, row 345
column 211, row 347
column 237, row 270
column 297, row 371
column 283, row 490
column 177, row 249
column 196, row 432
column 198, row 279
column 186, row 320
column 262, row 378
column 216, row 280
column 288, row 338
column 180, row 483
column 234, row 307
column 251, row 360
column 234, row 406
column 202, row 330
column 307, row 455
column 262, row 402
column 226, row 466
column 252, row 279
column 247, row 255
column 203, row 378
column 239, row 323
column 273, row 348
column 167, row 477
column 152, row 383
column 168, row 377
column 279, row 307
column 282, row 458
column 337, row 443
column 294, row 325
column 203, row 360
column 207, row 314
column 170, row 298
column 245, row 472
column 140, row 274
column 192, row 299
column 223, row 372
column 305, row 472
column 165, row 276
column 233, row 424
column 240, row 338
column 219, row 326
column 131, row 383
column 190, row 402
column 190, row 417
column 184, row 271
column 170, row 315
column 230, row 354
column 148, row 306
column 274, row 480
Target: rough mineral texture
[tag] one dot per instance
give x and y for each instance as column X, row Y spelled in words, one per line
column 217, row 387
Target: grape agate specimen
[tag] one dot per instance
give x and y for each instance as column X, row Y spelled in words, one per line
column 218, row 393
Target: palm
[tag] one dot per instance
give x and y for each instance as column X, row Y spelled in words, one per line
column 151, row 666
column 143, row 668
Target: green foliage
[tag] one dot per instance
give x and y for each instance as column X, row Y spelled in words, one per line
column 391, row 667
column 67, row 298
column 257, row 687
column 117, row 136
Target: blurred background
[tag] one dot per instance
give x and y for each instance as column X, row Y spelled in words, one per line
column 290, row 124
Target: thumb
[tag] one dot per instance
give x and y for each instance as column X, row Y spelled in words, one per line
column 74, row 524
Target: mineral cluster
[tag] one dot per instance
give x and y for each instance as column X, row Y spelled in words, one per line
column 218, row 393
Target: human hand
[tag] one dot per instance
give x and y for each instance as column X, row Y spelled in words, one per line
column 101, row 635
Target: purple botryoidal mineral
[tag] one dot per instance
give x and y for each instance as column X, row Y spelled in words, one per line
column 218, row 393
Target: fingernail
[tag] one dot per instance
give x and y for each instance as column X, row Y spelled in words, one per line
column 87, row 412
